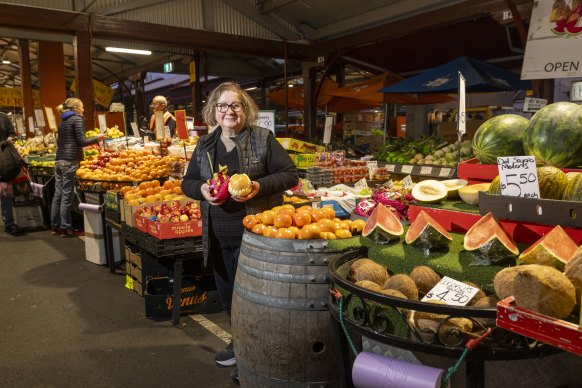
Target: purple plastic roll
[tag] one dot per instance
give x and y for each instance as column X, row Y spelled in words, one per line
column 89, row 207
column 372, row 370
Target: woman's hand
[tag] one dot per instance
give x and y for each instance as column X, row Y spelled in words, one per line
column 256, row 187
column 205, row 189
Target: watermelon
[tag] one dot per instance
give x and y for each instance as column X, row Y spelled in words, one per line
column 499, row 136
column 382, row 226
column 573, row 191
column 554, row 249
column 495, row 187
column 489, row 242
column 427, row 234
column 554, row 135
column 552, row 181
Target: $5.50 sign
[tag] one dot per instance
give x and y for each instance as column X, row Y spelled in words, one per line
column 518, row 176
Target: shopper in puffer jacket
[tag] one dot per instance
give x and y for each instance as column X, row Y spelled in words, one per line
column 70, row 143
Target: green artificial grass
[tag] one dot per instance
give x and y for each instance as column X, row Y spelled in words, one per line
column 456, row 205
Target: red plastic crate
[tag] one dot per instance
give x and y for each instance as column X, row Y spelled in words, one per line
column 556, row 332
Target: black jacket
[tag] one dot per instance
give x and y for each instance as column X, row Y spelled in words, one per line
column 6, row 127
column 71, row 137
column 261, row 157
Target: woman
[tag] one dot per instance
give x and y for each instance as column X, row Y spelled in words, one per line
column 243, row 148
column 70, row 143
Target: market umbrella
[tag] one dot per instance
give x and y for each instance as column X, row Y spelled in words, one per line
column 480, row 77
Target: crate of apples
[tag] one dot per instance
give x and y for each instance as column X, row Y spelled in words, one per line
column 302, row 223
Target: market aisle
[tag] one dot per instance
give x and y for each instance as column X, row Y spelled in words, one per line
column 66, row 322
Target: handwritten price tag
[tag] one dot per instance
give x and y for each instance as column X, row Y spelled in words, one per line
column 407, row 169
column 445, row 172
column 452, row 292
column 390, row 167
column 518, row 176
column 425, row 170
column 407, row 182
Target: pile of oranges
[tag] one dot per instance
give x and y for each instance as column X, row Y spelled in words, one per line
column 152, row 191
column 302, row 223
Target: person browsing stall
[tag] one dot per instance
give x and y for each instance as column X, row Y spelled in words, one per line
column 160, row 104
column 7, row 133
column 243, row 148
column 70, row 143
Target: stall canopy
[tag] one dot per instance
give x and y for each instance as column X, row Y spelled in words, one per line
column 480, row 77
column 357, row 96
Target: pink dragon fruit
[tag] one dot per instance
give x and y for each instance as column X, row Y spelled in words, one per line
column 395, row 200
column 365, row 207
column 219, row 183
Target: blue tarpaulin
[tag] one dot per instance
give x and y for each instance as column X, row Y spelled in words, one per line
column 480, row 77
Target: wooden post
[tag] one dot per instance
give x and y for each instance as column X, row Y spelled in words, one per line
column 26, row 83
column 51, row 70
column 84, row 75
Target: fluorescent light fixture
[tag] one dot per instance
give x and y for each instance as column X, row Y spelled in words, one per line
column 251, row 88
column 6, row 62
column 127, row 51
column 290, row 85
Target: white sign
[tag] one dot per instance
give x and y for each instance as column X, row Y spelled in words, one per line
column 425, row 170
column 576, row 92
column 461, row 122
column 50, row 115
column 327, row 129
column 31, row 124
column 407, row 182
column 20, row 126
column 266, row 119
column 391, row 167
column 518, row 176
column 102, row 123
column 553, row 46
column 534, row 104
column 39, row 116
column 134, row 129
column 445, row 172
column 407, row 169
column 361, row 184
column 451, row 292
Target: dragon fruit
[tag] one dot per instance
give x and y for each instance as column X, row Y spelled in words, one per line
column 219, row 183
column 395, row 200
column 365, row 207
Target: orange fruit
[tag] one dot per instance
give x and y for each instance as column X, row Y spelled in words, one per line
column 270, row 231
column 326, row 225
column 309, row 231
column 343, row 233
column 327, row 235
column 250, row 221
column 305, row 207
column 285, row 233
column 286, row 210
column 318, row 214
column 283, row 220
column 329, row 211
column 346, row 224
column 358, row 225
column 301, row 219
column 295, row 230
column 267, row 217
column 258, row 228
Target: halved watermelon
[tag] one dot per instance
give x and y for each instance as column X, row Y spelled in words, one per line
column 426, row 233
column 490, row 241
column 554, row 249
column 382, row 225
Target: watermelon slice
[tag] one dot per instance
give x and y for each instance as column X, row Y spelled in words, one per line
column 382, row 226
column 554, row 249
column 427, row 234
column 489, row 242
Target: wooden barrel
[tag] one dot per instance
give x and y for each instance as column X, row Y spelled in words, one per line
column 282, row 328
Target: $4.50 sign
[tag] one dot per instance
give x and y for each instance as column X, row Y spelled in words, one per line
column 452, row 292
column 518, row 176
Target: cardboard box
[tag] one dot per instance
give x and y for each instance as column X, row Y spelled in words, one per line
column 448, row 130
column 140, row 222
column 170, row 230
column 304, row 160
column 28, row 216
column 95, row 242
column 300, row 146
column 136, row 273
column 376, row 142
column 127, row 212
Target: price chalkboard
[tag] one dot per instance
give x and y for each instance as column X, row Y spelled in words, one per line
column 452, row 292
column 518, row 176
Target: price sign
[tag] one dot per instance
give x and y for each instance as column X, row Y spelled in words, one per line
column 531, row 104
column 425, row 170
column 445, row 172
column 389, row 184
column 134, row 129
column 181, row 129
column 518, row 176
column 102, row 123
column 167, row 132
column 20, row 126
column 159, row 125
column 327, row 129
column 390, row 167
column 361, row 184
column 30, row 124
column 461, row 123
column 39, row 116
column 50, row 115
column 372, row 167
column 452, row 292
column 407, row 169
column 266, row 119
column 407, row 182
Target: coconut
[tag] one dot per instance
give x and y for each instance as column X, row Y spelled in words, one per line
column 573, row 272
column 369, row 271
column 544, row 290
column 404, row 284
column 487, row 302
column 480, row 294
column 358, row 262
column 394, row 293
column 425, row 278
column 370, row 285
column 503, row 281
column 432, row 321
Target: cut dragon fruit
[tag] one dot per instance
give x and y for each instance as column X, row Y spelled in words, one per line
column 219, row 184
column 365, row 207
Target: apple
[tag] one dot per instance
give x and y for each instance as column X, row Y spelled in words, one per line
column 184, row 217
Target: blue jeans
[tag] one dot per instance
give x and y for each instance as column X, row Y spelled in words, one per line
column 7, row 214
column 65, row 171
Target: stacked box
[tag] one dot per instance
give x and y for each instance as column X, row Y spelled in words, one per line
column 95, row 250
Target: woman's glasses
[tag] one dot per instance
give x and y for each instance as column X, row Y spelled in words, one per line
column 235, row 107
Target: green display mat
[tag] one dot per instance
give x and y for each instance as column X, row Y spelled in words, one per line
column 401, row 258
column 455, row 205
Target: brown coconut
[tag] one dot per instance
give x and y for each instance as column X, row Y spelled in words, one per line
column 425, row 278
column 503, row 281
column 369, row 271
column 425, row 320
column 487, row 302
column 368, row 284
column 573, row 271
column 545, row 290
column 394, row 293
column 404, row 284
column 479, row 295
column 359, row 262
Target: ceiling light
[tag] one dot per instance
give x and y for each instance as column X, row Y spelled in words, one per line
column 127, row 51
column 6, row 62
column 251, row 88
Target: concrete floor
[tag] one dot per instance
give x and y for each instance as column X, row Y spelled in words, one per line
column 66, row 322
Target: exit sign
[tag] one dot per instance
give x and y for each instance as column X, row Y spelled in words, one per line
column 168, row 67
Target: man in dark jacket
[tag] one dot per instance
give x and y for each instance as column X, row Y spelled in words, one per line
column 70, row 145
column 7, row 132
